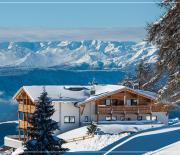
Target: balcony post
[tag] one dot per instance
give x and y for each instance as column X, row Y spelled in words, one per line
column 137, row 99
column 97, row 112
column 137, row 115
column 97, row 117
column 111, row 108
column 151, row 116
column 124, row 97
column 151, row 109
column 27, row 115
column 19, row 128
column 24, row 126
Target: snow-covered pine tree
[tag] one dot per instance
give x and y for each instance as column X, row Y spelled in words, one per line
column 165, row 34
column 143, row 74
column 42, row 140
column 127, row 82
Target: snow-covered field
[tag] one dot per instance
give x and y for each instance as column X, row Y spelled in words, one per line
column 93, row 144
column 106, row 135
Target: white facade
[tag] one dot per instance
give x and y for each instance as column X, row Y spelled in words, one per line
column 161, row 116
column 88, row 114
column 63, row 112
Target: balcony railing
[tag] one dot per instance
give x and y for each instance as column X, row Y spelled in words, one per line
column 140, row 109
column 26, row 108
column 24, row 124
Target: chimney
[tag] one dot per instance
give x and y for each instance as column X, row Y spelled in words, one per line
column 93, row 90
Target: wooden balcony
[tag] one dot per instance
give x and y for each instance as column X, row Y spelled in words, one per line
column 26, row 108
column 141, row 109
column 24, row 124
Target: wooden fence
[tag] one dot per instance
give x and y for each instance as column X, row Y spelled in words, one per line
column 79, row 138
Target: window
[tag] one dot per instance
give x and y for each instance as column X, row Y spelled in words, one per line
column 151, row 118
column 86, row 118
column 122, row 118
column 154, row 118
column 114, row 118
column 139, row 118
column 120, row 102
column 69, row 119
column 114, row 102
column 128, row 102
column 72, row 119
column 108, row 118
column 66, row 119
column 133, row 102
column 128, row 119
column 108, row 102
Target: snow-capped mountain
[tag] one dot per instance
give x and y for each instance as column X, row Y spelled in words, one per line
column 87, row 54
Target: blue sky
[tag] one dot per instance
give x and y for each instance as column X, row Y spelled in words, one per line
column 84, row 16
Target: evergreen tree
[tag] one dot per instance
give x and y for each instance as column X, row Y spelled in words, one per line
column 42, row 140
column 91, row 129
column 143, row 74
column 165, row 34
column 127, row 82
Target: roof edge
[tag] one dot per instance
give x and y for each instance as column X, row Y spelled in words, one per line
column 22, row 88
column 110, row 93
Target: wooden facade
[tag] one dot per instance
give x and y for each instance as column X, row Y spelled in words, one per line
column 118, row 104
column 25, row 110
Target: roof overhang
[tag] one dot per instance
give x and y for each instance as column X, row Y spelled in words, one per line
column 19, row 91
column 114, row 92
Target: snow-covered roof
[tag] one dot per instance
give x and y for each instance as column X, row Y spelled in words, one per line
column 78, row 93
column 58, row 93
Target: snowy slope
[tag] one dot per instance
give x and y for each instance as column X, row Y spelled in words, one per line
column 87, row 54
column 106, row 135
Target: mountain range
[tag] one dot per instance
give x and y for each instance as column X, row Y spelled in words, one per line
column 85, row 55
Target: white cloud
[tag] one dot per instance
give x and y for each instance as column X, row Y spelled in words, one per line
column 46, row 34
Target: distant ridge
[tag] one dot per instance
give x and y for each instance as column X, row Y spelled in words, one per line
column 82, row 55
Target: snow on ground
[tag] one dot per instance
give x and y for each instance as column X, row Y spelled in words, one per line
column 119, row 128
column 106, row 134
column 174, row 121
column 18, row 151
column 8, row 122
column 163, row 130
column 172, row 149
column 74, row 133
column 93, row 144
